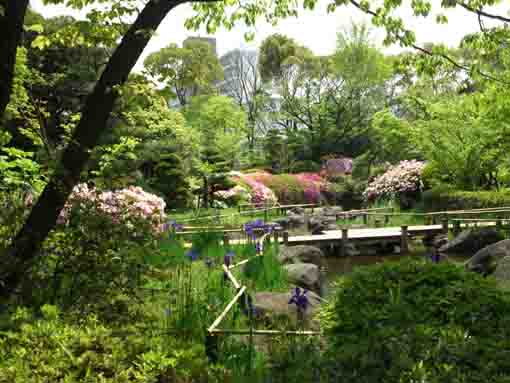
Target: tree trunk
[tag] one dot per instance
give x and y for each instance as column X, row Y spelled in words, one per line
column 98, row 106
column 11, row 30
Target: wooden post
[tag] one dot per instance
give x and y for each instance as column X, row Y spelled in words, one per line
column 404, row 247
column 456, row 228
column 445, row 225
column 225, row 239
column 365, row 219
column 275, row 236
column 386, row 219
column 286, row 238
column 345, row 238
column 265, row 214
column 499, row 222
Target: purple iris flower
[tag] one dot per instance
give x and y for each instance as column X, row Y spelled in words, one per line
column 192, row 255
column 258, row 248
column 300, row 299
column 435, row 257
column 227, row 259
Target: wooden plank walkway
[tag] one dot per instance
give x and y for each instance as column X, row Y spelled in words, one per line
column 372, row 234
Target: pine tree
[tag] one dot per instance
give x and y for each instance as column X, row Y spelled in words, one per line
column 170, row 180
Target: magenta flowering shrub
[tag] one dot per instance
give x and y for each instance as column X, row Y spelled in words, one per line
column 284, row 188
column 123, row 206
column 398, row 180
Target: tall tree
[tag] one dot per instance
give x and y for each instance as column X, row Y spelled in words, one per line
column 243, row 83
column 43, row 217
column 12, row 14
column 187, row 71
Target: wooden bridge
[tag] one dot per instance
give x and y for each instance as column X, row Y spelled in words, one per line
column 381, row 236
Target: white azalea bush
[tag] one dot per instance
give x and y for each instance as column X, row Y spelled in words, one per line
column 123, row 206
column 95, row 255
column 402, row 181
column 233, row 195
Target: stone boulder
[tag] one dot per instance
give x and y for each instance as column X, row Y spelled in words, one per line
column 283, row 222
column 502, row 272
column 471, row 240
column 273, row 305
column 486, row 260
column 296, row 220
column 297, row 211
column 331, row 211
column 301, row 254
column 305, row 275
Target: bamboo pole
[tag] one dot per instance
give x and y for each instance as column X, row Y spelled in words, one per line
column 231, row 277
column 227, row 309
column 264, row 332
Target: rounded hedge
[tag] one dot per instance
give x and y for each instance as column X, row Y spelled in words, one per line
column 414, row 321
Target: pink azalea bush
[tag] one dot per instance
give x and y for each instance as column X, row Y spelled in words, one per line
column 286, row 188
column 401, row 179
column 260, row 194
column 123, row 206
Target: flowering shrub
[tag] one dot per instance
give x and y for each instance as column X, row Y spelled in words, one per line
column 234, row 195
column 293, row 188
column 122, row 206
column 398, row 180
column 260, row 194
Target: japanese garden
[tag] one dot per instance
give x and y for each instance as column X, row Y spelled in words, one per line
column 254, row 191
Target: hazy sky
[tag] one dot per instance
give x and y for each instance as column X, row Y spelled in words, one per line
column 315, row 29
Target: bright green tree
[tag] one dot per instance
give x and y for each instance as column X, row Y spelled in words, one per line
column 187, row 71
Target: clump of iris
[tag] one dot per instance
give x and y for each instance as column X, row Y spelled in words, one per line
column 300, row 299
column 257, row 226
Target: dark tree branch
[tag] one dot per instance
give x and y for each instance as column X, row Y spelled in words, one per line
column 441, row 55
column 11, row 31
column 481, row 12
column 98, row 107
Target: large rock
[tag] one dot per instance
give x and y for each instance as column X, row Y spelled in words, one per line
column 301, row 254
column 274, row 305
column 486, row 260
column 306, row 275
column 296, row 220
column 297, row 211
column 502, row 272
column 331, row 211
column 284, row 222
column 472, row 240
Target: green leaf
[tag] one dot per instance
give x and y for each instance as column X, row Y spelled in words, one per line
column 41, row 42
column 35, row 28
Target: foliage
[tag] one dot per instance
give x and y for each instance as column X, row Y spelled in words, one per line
column 46, row 346
column 187, row 71
column 418, row 321
column 19, row 171
column 465, row 139
column 447, row 198
column 398, row 181
column 265, row 273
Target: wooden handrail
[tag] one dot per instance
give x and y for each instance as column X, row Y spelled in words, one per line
column 227, row 309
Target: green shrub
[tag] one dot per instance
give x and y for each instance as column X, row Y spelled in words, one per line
column 346, row 193
column 415, row 321
column 445, row 198
column 52, row 349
